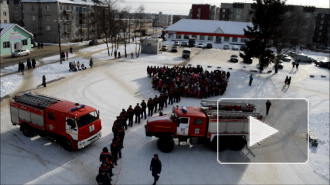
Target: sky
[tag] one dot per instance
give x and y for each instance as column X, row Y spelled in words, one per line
column 182, row 7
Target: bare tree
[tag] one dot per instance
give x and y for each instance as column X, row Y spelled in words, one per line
column 124, row 25
column 139, row 25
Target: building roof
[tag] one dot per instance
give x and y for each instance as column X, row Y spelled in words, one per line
column 82, row 2
column 4, row 27
column 209, row 26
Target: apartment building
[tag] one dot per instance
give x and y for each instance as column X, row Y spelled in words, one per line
column 316, row 20
column 4, row 12
column 204, row 11
column 59, row 20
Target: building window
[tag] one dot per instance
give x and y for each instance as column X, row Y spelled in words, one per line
column 320, row 33
column 178, row 36
column 243, row 39
column 322, row 22
column 4, row 21
column 202, row 37
column 226, row 39
column 47, row 17
column 234, row 39
column 223, row 10
column 223, row 16
column 34, row 27
column 47, row 7
column 24, row 42
column 4, row 13
column 186, row 36
column 238, row 11
column 321, row 28
column 218, row 39
column 322, row 16
column 47, row 27
column 61, row 7
column 210, row 38
column 306, row 14
column 6, row 44
column 33, row 17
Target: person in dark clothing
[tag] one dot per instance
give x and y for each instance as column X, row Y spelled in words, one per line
column 289, row 81
column 297, row 65
column 103, row 179
column 170, row 96
column 124, row 117
column 22, row 68
column 33, row 63
column 114, row 150
column 268, row 104
column 42, row 45
column 44, row 80
column 228, row 75
column 150, row 107
column 38, row 45
column 156, row 101
column 121, row 136
column 71, row 50
column 119, row 56
column 286, row 80
column 137, row 113
column 91, row 63
column 28, row 63
column 165, row 97
column 155, row 167
column 250, row 81
column 144, row 109
column 161, row 102
column 105, row 156
column 107, row 168
column 130, row 113
column 293, row 64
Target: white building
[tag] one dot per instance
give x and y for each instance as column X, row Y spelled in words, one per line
column 208, row 30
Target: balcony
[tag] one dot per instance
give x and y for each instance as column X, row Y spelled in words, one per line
column 67, row 22
column 67, row 11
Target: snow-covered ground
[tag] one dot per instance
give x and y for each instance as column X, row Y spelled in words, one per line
column 112, row 85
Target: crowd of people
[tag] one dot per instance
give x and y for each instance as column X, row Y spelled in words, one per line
column 30, row 64
column 188, row 81
column 73, row 66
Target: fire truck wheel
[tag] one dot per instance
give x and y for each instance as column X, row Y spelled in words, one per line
column 165, row 144
column 237, row 143
column 67, row 144
column 27, row 130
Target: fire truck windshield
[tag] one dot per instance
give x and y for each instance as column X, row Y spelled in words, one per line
column 87, row 119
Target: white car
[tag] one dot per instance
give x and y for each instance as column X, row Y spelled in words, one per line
column 226, row 46
column 164, row 48
column 199, row 45
column 234, row 48
column 286, row 58
column 20, row 52
column 176, row 43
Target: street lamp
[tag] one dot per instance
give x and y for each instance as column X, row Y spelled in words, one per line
column 59, row 39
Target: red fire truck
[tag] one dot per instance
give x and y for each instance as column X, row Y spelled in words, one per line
column 200, row 124
column 71, row 124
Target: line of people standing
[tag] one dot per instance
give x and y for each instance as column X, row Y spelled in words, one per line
column 30, row 64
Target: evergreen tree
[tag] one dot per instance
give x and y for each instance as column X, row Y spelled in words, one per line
column 267, row 18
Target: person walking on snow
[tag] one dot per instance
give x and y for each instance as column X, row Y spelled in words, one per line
column 268, row 104
column 155, row 167
column 289, row 81
column 251, row 79
column 91, row 63
column 44, row 80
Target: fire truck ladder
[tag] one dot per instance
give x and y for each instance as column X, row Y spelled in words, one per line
column 224, row 105
column 231, row 114
column 36, row 100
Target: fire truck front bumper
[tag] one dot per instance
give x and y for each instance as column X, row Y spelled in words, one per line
column 93, row 138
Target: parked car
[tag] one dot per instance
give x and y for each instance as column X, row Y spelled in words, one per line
column 199, row 45
column 184, row 44
column 303, row 58
column 280, row 66
column 234, row 48
column 323, row 64
column 286, row 58
column 164, row 48
column 174, row 49
column 234, row 58
column 93, row 42
column 176, row 43
column 20, row 52
column 226, row 46
column 208, row 45
column 248, row 60
column 186, row 53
